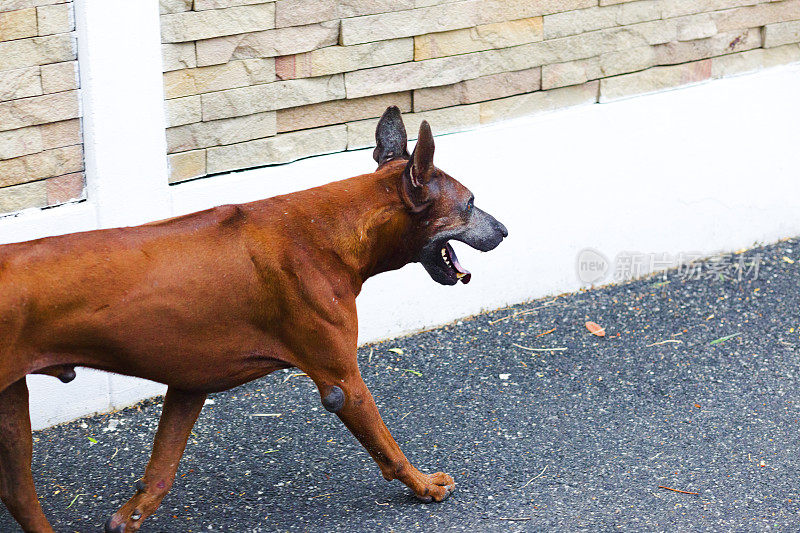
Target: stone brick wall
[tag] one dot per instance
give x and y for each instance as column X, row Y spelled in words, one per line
column 41, row 155
column 253, row 82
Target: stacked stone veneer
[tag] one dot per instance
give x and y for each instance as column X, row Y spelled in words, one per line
column 251, row 83
column 41, row 155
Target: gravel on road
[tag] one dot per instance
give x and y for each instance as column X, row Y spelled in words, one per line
column 695, row 387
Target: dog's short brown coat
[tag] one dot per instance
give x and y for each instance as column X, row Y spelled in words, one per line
column 211, row 300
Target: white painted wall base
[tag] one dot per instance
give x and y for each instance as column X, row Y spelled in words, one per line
column 707, row 168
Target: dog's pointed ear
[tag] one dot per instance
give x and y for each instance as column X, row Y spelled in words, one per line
column 422, row 159
column 419, row 172
column 390, row 137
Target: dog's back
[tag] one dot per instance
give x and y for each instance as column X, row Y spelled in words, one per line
column 86, row 293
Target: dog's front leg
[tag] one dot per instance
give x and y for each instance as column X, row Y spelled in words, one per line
column 178, row 416
column 346, row 395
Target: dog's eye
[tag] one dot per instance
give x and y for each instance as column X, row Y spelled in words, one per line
column 470, row 204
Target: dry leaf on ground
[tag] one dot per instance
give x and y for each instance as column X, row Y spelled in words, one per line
column 596, row 329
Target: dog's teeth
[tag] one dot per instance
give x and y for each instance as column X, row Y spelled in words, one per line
column 446, row 258
column 459, row 275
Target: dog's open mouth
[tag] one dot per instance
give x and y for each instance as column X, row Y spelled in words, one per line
column 452, row 265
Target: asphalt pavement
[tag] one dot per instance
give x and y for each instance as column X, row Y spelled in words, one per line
column 544, row 426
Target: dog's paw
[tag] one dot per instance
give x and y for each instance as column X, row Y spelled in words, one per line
column 131, row 515
column 437, row 487
column 118, row 524
column 113, row 526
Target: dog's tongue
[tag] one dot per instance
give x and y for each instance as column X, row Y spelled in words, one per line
column 461, row 272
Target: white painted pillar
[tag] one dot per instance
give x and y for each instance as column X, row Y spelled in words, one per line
column 119, row 52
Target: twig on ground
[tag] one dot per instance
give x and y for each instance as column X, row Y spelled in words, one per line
column 677, row 490
column 664, row 342
column 725, row 338
column 549, row 331
column 537, row 477
column 290, row 376
column 74, row 500
column 538, row 349
column 524, row 312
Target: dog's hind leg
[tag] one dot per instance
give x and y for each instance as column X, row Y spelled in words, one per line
column 178, row 415
column 16, row 447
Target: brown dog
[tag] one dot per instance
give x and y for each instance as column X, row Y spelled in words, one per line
column 211, row 300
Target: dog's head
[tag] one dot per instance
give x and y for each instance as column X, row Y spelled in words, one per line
column 442, row 208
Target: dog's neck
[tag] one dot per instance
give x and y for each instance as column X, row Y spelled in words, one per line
column 352, row 229
column 382, row 235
